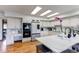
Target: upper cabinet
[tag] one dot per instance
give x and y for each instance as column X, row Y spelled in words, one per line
column 14, row 23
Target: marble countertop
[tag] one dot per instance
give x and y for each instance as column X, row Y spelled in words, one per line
column 58, row 44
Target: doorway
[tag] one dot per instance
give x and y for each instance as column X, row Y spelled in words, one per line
column 4, row 29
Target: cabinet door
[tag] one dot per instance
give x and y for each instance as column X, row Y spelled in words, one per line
column 35, row 28
column 14, row 23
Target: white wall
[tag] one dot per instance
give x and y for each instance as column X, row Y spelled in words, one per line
column 55, row 23
column 71, row 21
column 0, row 28
column 12, row 14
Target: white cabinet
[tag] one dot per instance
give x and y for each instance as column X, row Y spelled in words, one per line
column 9, row 37
column 14, row 23
column 17, row 37
column 26, row 39
column 13, row 27
column 35, row 29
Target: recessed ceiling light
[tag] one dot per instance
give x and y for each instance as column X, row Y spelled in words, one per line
column 46, row 12
column 37, row 9
column 53, row 14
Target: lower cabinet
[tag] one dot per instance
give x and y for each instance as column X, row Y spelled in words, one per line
column 26, row 39
column 35, row 35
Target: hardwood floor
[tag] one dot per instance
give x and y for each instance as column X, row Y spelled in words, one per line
column 26, row 47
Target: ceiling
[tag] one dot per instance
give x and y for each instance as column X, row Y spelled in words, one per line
column 27, row 9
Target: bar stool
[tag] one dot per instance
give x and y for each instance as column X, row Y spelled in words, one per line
column 43, row 49
column 76, row 47
column 68, row 51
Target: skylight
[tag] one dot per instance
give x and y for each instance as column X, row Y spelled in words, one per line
column 36, row 10
column 46, row 12
column 53, row 14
